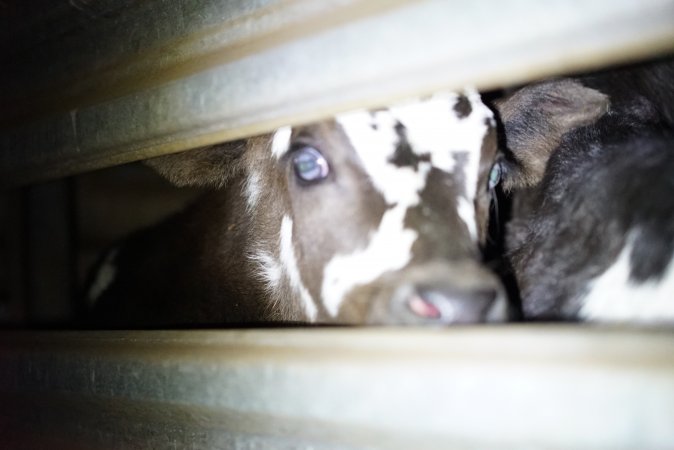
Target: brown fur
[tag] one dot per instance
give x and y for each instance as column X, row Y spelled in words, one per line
column 535, row 119
column 204, row 266
column 212, row 166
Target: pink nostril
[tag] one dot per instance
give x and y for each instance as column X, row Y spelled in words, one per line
column 423, row 308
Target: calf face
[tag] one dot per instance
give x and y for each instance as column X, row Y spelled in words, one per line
column 592, row 233
column 373, row 217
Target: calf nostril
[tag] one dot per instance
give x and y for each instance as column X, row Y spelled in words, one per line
column 423, row 308
column 455, row 306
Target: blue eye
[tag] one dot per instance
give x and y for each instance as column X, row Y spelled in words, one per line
column 310, row 165
column 495, row 175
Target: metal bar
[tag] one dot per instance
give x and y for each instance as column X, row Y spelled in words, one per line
column 162, row 76
column 490, row 387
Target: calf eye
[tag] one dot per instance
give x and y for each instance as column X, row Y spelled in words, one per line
column 495, row 175
column 310, row 165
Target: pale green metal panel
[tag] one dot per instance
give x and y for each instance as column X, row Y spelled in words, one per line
column 507, row 387
column 161, row 76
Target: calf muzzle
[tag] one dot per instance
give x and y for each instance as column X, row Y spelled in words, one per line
column 441, row 293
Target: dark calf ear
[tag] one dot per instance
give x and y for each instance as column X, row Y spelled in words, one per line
column 536, row 117
column 204, row 167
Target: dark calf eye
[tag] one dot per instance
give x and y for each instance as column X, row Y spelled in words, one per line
column 310, row 165
column 495, row 175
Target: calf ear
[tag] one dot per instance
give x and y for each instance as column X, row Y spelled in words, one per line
column 534, row 120
column 204, row 167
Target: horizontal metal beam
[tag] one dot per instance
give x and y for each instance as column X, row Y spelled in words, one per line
column 161, row 76
column 483, row 387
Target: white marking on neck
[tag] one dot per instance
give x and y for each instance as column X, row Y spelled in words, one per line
column 253, row 190
column 104, row 277
column 289, row 264
column 390, row 248
column 280, row 142
column 613, row 297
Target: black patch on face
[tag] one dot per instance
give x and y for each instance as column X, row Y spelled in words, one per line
column 403, row 155
column 462, row 107
column 442, row 235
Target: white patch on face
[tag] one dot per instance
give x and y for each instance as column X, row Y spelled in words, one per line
column 375, row 147
column 466, row 212
column 253, row 190
column 289, row 264
column 390, row 248
column 613, row 297
column 433, row 129
column 104, row 277
column 281, row 141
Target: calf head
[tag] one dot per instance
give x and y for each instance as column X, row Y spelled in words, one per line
column 536, row 118
column 373, row 217
column 592, row 231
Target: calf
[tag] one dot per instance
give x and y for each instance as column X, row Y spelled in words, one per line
column 592, row 175
column 373, row 217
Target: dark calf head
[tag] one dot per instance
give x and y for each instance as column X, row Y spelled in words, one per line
column 592, row 233
column 373, row 217
column 536, row 118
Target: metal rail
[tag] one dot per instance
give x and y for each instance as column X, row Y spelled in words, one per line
column 508, row 387
column 93, row 84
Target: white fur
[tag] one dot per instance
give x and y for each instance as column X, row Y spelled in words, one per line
column 289, row 264
column 433, row 128
column 281, row 141
column 104, row 277
column 253, row 190
column 468, row 136
column 398, row 185
column 429, row 128
column 613, row 297
column 466, row 211
column 390, row 248
column 268, row 270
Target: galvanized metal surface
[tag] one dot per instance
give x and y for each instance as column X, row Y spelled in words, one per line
column 509, row 387
column 123, row 81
